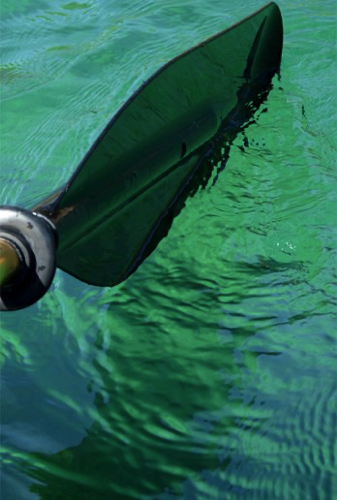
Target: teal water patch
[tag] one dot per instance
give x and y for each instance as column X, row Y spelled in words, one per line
column 209, row 373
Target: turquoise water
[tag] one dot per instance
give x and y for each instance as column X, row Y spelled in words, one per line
column 211, row 372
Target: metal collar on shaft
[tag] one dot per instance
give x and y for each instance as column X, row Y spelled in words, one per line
column 27, row 257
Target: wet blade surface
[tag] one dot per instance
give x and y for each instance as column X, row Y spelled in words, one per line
column 134, row 172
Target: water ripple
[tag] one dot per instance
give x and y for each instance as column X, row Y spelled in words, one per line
column 210, row 373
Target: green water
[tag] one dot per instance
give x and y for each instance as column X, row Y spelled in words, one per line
column 211, row 372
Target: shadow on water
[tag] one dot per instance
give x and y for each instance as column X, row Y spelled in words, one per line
column 150, row 438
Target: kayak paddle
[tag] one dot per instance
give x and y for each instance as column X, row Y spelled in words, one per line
column 121, row 198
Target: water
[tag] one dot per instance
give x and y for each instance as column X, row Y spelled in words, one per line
column 211, row 372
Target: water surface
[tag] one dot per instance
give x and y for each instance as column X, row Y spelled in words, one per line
column 211, row 372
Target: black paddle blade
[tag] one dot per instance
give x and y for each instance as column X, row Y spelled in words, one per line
column 123, row 195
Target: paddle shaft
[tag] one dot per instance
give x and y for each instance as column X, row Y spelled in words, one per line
column 9, row 262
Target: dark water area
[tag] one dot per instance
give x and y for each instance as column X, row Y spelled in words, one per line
column 211, row 372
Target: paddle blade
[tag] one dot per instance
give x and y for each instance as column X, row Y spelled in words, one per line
column 109, row 212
